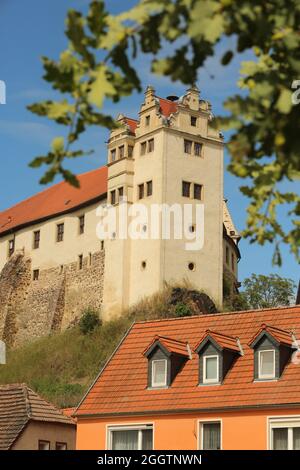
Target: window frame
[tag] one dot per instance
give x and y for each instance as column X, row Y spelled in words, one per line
column 40, row 441
column 150, row 145
column 288, row 422
column 199, row 146
column 202, row 422
column 62, row 444
column 60, row 233
column 266, row 376
column 121, row 151
column 141, row 191
column 162, row 384
column 199, row 187
column 113, row 155
column 110, row 428
column 187, row 183
column 143, row 148
column 194, row 121
column 113, row 197
column 36, row 239
column 204, row 379
column 149, row 188
column 188, row 145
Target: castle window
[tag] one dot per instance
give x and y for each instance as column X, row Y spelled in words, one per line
column 266, row 361
column 141, row 191
column 102, row 245
column 113, row 197
column 143, row 148
column 198, row 191
column 144, row 264
column 36, row 274
column 130, row 151
column 191, row 266
column 90, row 259
column 60, row 232
column 113, row 154
column 192, row 228
column 121, row 193
column 159, row 373
column 121, row 151
column 147, row 120
column 197, row 149
column 149, row 188
column 61, row 269
column 193, row 121
column 150, row 145
column 36, row 239
column 186, row 188
column 187, row 146
column 11, row 247
column 80, row 261
column 81, row 220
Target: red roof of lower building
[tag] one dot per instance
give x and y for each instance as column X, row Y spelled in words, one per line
column 121, row 388
column 57, row 199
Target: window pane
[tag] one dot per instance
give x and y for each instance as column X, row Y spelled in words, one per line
column 280, row 438
column 296, row 438
column 125, row 440
column 211, row 368
column 159, row 372
column 211, row 436
column 147, row 439
column 267, row 363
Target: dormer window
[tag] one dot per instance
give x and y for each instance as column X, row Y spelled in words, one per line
column 266, row 361
column 159, row 373
column 211, row 369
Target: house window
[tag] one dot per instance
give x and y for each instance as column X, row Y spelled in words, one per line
column 130, row 151
column 36, row 274
column 159, row 373
column 141, row 191
column 210, row 435
column 121, row 151
column 113, row 197
column 80, row 261
column 211, row 369
column 61, row 446
column 44, row 445
column 285, row 434
column 81, row 224
column 113, row 154
column 150, row 145
column 11, row 247
column 60, row 232
column 266, row 364
column 130, row 437
column 149, row 188
column 186, row 187
column 143, row 148
column 147, row 120
column 36, row 239
column 187, row 146
column 197, row 149
column 193, row 121
column 198, row 191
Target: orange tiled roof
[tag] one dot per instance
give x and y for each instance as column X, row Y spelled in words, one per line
column 167, row 107
column 121, row 388
column 132, row 123
column 224, row 341
column 172, row 345
column 57, row 199
column 18, row 405
column 281, row 336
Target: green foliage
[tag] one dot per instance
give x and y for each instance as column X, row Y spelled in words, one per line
column 89, row 321
column 182, row 310
column 264, row 144
column 268, row 291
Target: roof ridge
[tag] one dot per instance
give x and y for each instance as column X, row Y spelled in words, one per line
column 27, row 400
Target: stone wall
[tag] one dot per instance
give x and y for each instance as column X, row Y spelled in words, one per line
column 31, row 309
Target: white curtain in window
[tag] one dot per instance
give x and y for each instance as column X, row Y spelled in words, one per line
column 296, row 438
column 125, row 440
column 159, row 371
column 280, row 438
column 211, row 368
column 147, row 439
column 211, row 436
column 267, row 362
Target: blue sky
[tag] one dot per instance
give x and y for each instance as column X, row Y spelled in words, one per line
column 33, row 28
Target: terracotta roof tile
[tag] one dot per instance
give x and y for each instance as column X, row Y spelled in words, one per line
column 18, row 405
column 224, row 341
column 122, row 385
column 173, row 346
column 281, row 336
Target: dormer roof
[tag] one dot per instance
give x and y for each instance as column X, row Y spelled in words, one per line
column 169, row 346
column 281, row 337
column 220, row 340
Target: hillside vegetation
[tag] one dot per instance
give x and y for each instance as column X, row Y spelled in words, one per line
column 61, row 366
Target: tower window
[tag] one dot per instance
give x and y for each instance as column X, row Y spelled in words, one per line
column 121, row 193
column 36, row 274
column 36, row 239
column 186, row 187
column 102, row 245
column 197, row 149
column 80, row 261
column 130, row 151
column 149, row 188
column 198, row 191
column 113, row 197
column 11, row 247
column 193, row 121
column 121, row 151
column 113, row 155
column 81, row 224
column 187, row 146
column 191, row 266
column 147, row 120
column 141, row 191
column 143, row 148
column 60, row 232
column 144, row 265
column 150, row 145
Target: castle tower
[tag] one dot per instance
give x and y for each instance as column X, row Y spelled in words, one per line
column 171, row 156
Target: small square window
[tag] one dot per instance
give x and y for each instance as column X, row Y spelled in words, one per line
column 150, row 145
column 210, row 369
column 149, row 188
column 159, row 373
column 266, row 364
column 143, row 148
column 198, row 191
column 113, row 155
column 193, row 121
column 36, row 239
column 36, row 274
column 197, row 149
column 186, row 189
column 187, row 146
column 141, row 191
column 60, row 232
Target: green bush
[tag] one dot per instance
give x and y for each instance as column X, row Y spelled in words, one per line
column 182, row 310
column 89, row 321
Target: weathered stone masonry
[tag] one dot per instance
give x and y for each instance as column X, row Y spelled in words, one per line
column 30, row 309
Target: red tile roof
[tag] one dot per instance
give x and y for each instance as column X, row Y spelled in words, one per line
column 167, row 107
column 121, row 388
column 57, row 199
column 173, row 346
column 281, row 336
column 18, row 405
column 132, row 123
column 224, row 341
